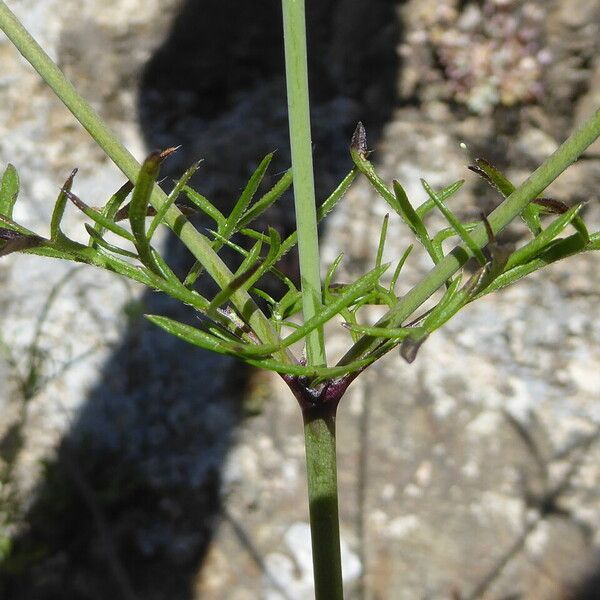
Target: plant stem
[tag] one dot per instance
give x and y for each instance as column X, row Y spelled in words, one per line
column 294, row 29
column 568, row 152
column 319, row 439
column 198, row 244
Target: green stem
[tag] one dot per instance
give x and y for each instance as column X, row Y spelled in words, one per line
column 294, row 29
column 569, row 151
column 198, row 244
column 319, row 438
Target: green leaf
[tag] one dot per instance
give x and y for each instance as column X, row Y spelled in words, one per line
column 443, row 195
column 59, row 207
column 195, row 336
column 171, row 198
column 99, row 218
column 579, row 224
column 9, row 191
column 205, row 205
column 232, row 287
column 367, row 169
column 96, row 238
column 557, row 250
column 235, row 216
column 539, row 243
column 322, row 211
column 282, row 185
column 412, row 219
column 329, row 277
column 350, row 294
column 455, row 224
column 495, row 177
column 441, row 236
column 398, row 269
column 138, row 209
column 112, row 206
column 382, row 237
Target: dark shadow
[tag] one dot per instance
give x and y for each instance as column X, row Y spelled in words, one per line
column 128, row 508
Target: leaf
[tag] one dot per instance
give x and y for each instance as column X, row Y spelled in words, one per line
column 112, row 206
column 9, row 191
column 443, row 195
column 138, row 209
column 282, row 185
column 412, row 219
column 204, row 205
column 322, row 211
column 490, row 173
column 171, row 198
column 493, row 175
column 350, row 294
column 537, row 244
column 455, row 224
column 232, row 287
column 59, row 207
column 99, row 218
column 194, row 336
column 557, row 250
column 98, row 239
column 15, row 241
column 398, row 269
column 382, row 237
column 246, row 196
column 329, row 276
column 551, row 206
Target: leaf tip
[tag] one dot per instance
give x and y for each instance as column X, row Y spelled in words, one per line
column 359, row 140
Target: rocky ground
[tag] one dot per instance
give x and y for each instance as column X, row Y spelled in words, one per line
column 472, row 473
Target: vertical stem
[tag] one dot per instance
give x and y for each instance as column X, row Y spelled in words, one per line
column 294, row 29
column 319, row 439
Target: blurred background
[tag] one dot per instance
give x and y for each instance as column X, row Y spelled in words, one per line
column 135, row 467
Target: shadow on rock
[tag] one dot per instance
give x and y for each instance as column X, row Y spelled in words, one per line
column 128, row 506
